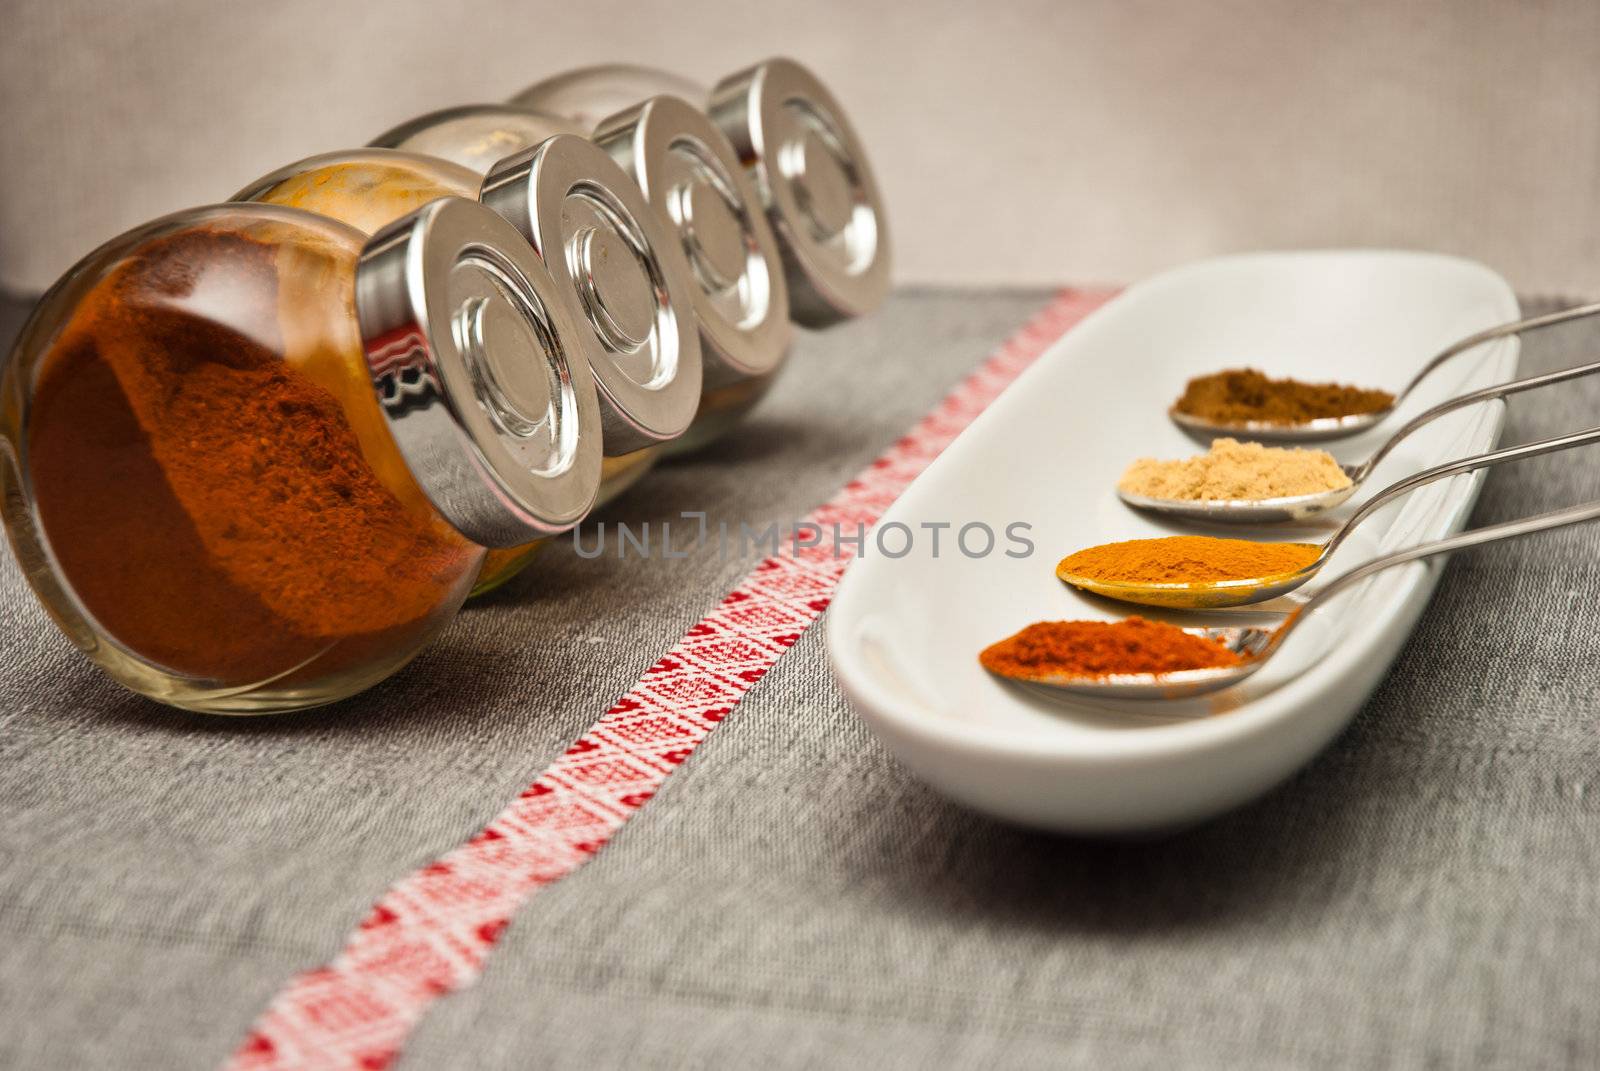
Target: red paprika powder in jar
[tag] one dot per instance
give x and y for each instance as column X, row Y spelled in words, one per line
column 620, row 279
column 251, row 462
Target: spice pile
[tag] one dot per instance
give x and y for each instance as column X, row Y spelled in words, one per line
column 1235, row 470
column 1102, row 649
column 1186, row 560
column 206, row 497
column 1242, row 395
column 1194, row 572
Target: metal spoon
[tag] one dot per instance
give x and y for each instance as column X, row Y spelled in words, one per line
column 1220, row 593
column 1259, row 644
column 1300, row 507
column 1340, row 427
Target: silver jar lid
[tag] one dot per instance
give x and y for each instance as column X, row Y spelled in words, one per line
column 476, row 136
column 470, row 345
column 810, row 168
column 694, row 182
column 820, row 192
column 590, row 223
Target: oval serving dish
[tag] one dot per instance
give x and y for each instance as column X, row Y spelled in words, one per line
column 904, row 634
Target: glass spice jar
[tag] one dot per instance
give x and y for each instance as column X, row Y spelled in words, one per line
column 641, row 343
column 691, row 177
column 476, row 136
column 807, row 163
column 251, row 461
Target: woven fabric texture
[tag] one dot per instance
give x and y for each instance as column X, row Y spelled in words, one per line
column 1423, row 894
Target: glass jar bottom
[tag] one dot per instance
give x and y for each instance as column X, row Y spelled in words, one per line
column 720, row 410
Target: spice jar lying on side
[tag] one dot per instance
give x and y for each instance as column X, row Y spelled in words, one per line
column 806, row 161
column 618, row 276
column 251, row 461
column 476, row 136
column 692, row 178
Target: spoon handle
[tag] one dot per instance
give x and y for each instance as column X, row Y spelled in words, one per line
column 1478, row 537
column 1455, row 468
column 1470, row 398
column 1532, row 323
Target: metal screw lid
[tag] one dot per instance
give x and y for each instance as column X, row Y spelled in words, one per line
column 590, row 223
column 818, row 186
column 476, row 136
column 471, row 349
column 809, row 167
column 694, row 182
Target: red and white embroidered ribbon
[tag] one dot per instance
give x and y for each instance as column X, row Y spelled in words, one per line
column 431, row 932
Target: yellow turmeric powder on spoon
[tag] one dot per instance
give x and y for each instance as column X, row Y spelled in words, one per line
column 1186, row 560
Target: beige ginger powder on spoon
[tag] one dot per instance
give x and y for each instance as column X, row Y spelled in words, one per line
column 1236, row 470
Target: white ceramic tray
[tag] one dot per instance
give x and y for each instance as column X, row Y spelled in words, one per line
column 904, row 633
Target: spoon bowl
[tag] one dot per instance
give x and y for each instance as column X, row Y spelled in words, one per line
column 1303, row 507
column 1247, row 510
column 1204, row 595
column 1325, row 428
column 1311, row 431
column 1243, row 591
column 1256, row 644
column 1252, row 643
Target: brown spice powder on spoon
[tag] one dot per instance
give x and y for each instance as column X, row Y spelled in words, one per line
column 1240, row 395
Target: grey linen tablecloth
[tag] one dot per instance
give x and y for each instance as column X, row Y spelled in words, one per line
column 1426, row 893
